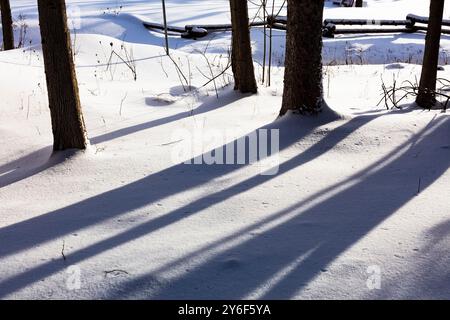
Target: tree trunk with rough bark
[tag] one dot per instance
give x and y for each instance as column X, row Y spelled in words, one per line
column 64, row 102
column 7, row 25
column 426, row 97
column 303, row 63
column 241, row 55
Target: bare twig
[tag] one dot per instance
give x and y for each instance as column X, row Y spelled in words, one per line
column 62, row 250
column 409, row 89
column 107, row 272
column 121, row 103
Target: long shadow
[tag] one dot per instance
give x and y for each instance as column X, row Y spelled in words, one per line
column 208, row 105
column 428, row 277
column 40, row 160
column 149, row 190
column 44, row 159
column 280, row 262
column 132, row 196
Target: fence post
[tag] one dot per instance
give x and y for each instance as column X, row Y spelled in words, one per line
column 165, row 26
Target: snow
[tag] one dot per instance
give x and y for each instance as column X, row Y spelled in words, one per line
column 364, row 191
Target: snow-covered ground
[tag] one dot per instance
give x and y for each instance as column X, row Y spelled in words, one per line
column 357, row 199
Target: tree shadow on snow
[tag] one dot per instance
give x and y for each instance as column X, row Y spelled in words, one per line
column 209, row 104
column 31, row 164
column 43, row 159
column 281, row 261
column 428, row 276
column 362, row 202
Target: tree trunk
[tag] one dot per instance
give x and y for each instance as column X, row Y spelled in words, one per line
column 64, row 102
column 427, row 86
column 241, row 55
column 359, row 3
column 7, row 25
column 303, row 64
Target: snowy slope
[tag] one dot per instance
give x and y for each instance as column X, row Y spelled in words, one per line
column 366, row 190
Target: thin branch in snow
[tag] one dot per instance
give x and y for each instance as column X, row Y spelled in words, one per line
column 121, row 103
column 62, row 250
column 115, row 271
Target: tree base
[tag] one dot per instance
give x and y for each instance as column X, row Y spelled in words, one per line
column 426, row 100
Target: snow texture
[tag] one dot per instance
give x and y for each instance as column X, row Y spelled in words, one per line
column 359, row 208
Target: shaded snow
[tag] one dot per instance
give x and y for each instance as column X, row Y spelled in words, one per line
column 367, row 189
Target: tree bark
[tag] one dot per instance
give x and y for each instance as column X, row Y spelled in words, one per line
column 426, row 97
column 7, row 25
column 64, row 102
column 359, row 3
column 241, row 55
column 303, row 63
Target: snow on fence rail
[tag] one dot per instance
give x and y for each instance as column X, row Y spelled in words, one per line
column 411, row 24
column 196, row 31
